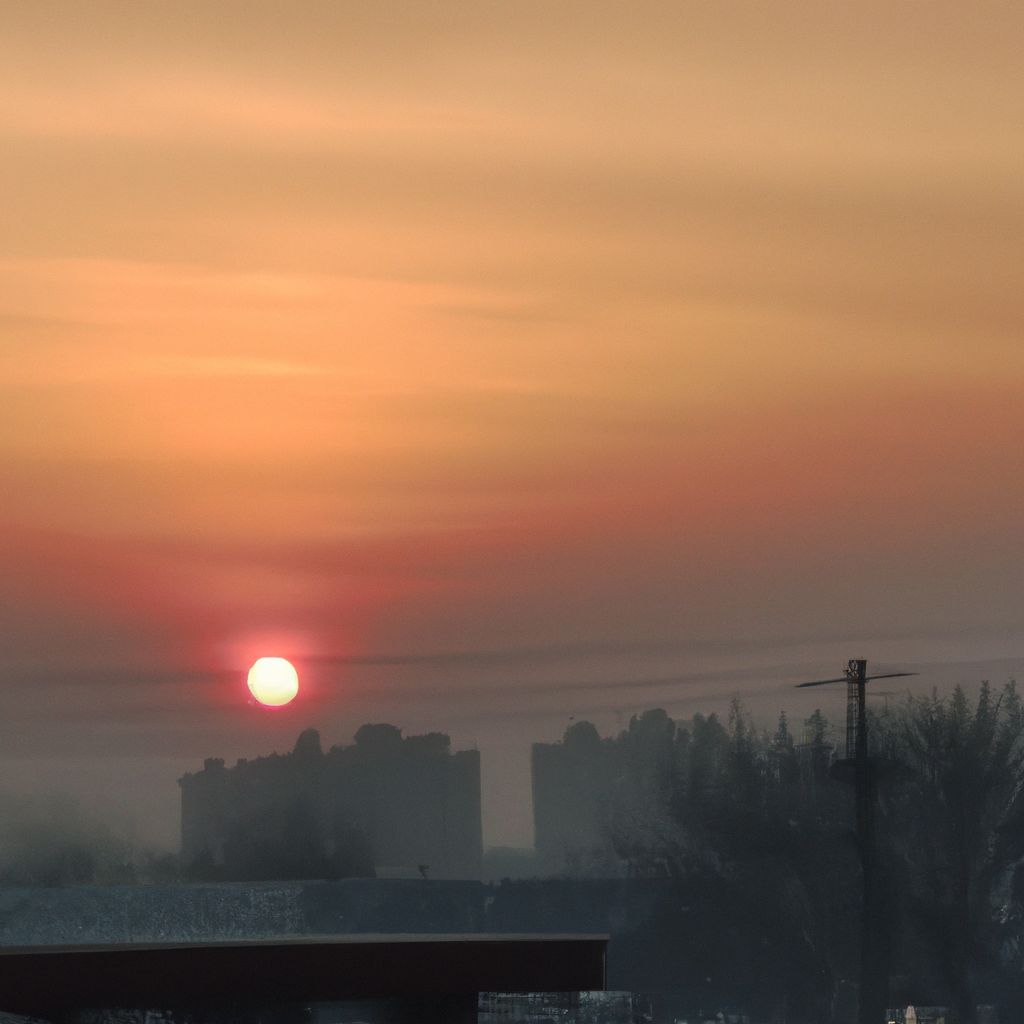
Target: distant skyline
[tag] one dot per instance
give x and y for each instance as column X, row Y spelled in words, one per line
column 497, row 364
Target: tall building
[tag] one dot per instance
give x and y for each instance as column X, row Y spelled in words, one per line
column 593, row 797
column 385, row 804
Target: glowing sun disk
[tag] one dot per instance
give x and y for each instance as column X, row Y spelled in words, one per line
column 273, row 681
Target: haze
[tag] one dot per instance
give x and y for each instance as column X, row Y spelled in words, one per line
column 497, row 364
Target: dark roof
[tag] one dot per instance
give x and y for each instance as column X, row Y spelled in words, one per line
column 48, row 980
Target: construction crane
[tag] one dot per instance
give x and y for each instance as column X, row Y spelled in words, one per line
column 856, row 678
column 874, row 946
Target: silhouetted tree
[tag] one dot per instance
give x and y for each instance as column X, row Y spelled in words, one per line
column 955, row 820
column 784, row 788
column 289, row 840
column 51, row 841
column 757, row 837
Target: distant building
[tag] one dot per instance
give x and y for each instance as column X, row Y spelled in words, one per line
column 618, row 806
column 387, row 804
column 598, row 803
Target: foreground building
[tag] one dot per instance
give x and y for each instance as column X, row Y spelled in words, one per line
column 385, row 805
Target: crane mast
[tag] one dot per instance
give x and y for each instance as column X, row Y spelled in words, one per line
column 874, row 946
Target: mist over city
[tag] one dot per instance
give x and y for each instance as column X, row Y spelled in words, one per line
column 438, row 445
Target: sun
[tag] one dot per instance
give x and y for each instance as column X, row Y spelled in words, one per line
column 273, row 681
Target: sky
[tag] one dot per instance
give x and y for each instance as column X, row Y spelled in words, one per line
column 497, row 363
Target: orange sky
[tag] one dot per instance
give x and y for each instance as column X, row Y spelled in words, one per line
column 613, row 341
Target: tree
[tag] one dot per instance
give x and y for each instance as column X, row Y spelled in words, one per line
column 955, row 820
column 288, row 839
column 52, row 841
column 786, row 774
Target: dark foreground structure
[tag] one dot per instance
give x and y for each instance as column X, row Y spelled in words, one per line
column 397, row 978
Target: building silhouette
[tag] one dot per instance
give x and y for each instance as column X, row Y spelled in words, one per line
column 630, row 804
column 384, row 805
column 594, row 799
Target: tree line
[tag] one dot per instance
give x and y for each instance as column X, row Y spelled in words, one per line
column 753, row 831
